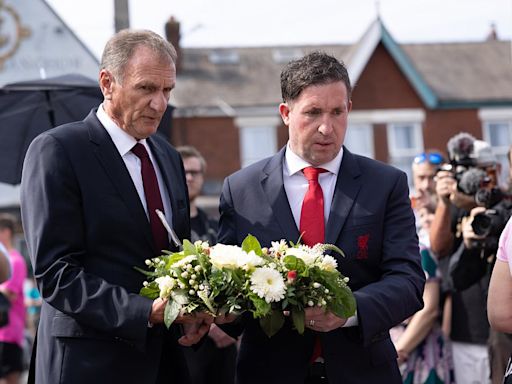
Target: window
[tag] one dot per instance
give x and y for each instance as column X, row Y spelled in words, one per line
column 497, row 131
column 258, row 138
column 499, row 135
column 405, row 140
column 359, row 139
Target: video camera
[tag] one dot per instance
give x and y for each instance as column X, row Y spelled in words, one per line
column 467, row 158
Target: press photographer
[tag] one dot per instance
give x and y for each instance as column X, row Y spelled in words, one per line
column 468, row 192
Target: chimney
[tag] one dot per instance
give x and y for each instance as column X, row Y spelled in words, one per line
column 172, row 33
column 121, row 15
column 493, row 35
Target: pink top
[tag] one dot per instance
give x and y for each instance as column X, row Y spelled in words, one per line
column 13, row 332
column 505, row 245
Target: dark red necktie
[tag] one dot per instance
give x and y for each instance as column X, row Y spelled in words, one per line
column 312, row 224
column 153, row 197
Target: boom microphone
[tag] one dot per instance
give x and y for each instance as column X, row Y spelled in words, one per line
column 471, row 181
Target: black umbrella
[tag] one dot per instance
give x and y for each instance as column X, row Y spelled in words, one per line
column 29, row 108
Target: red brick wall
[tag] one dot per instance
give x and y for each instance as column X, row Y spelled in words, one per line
column 382, row 85
column 216, row 138
column 441, row 125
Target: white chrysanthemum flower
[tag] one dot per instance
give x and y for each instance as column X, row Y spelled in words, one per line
column 165, row 285
column 268, row 284
column 305, row 253
column 328, row 263
column 183, row 262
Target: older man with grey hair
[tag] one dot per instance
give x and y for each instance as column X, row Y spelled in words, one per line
column 89, row 193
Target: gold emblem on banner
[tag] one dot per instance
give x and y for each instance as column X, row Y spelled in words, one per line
column 11, row 32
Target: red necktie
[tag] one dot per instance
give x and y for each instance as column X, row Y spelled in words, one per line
column 153, row 198
column 312, row 224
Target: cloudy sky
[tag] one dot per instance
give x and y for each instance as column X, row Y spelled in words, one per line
column 279, row 22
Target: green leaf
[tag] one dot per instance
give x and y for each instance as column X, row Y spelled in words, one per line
column 147, row 273
column 189, row 248
column 298, row 318
column 251, row 243
column 262, row 308
column 272, row 323
column 293, row 263
column 150, row 291
column 206, row 300
column 332, row 247
column 172, row 310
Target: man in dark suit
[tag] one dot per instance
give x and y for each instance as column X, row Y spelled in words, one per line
column 88, row 195
column 366, row 212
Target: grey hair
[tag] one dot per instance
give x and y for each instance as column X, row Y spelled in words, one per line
column 120, row 48
column 316, row 68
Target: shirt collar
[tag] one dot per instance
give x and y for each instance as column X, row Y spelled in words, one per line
column 295, row 163
column 122, row 140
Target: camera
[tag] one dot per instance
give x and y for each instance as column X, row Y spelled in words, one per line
column 492, row 221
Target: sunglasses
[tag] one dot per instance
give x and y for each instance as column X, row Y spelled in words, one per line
column 433, row 158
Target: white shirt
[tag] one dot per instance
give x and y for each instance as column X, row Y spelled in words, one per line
column 124, row 144
column 296, row 186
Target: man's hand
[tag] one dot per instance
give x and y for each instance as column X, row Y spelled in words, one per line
column 468, row 234
column 225, row 319
column 195, row 326
column 219, row 337
column 157, row 311
column 320, row 320
column 446, row 185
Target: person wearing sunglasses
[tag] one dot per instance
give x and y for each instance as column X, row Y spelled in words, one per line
column 424, row 169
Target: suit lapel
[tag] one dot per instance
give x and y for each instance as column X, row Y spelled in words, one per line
column 109, row 158
column 273, row 187
column 345, row 193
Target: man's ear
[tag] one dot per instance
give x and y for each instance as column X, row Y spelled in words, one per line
column 284, row 111
column 106, row 82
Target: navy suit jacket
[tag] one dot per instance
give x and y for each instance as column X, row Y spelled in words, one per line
column 371, row 220
column 86, row 230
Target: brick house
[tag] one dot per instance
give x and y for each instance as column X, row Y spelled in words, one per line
column 407, row 97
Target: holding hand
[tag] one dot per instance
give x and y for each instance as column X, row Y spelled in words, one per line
column 195, row 327
column 320, row 320
column 468, row 234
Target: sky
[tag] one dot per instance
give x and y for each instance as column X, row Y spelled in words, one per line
column 228, row 23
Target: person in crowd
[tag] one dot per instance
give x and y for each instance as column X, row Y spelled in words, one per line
column 500, row 291
column 424, row 169
column 357, row 203
column 12, row 334
column 470, row 255
column 89, row 195
column 202, row 227
column 213, row 362
column 424, row 352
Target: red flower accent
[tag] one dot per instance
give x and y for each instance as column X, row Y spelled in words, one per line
column 291, row 276
column 362, row 246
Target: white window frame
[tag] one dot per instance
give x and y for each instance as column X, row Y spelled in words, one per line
column 367, row 130
column 488, row 117
column 417, row 138
column 247, row 125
